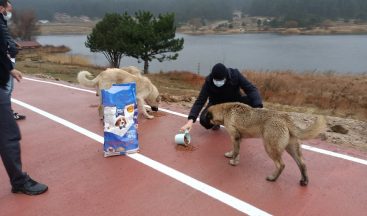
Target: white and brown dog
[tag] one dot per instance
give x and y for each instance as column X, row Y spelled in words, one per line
column 146, row 92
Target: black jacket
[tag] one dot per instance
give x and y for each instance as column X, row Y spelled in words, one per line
column 12, row 47
column 230, row 92
column 5, row 64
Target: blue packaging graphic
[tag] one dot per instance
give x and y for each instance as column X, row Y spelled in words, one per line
column 120, row 120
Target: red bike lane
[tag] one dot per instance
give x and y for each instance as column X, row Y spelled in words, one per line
column 83, row 182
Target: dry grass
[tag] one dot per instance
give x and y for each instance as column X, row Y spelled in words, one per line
column 65, row 72
column 177, row 82
column 66, row 28
column 310, row 92
column 67, row 59
column 337, row 94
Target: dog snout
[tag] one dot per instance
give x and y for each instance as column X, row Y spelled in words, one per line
column 155, row 109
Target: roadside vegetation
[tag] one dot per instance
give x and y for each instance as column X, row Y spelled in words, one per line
column 342, row 95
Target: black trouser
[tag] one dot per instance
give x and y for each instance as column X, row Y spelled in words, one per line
column 9, row 142
column 206, row 123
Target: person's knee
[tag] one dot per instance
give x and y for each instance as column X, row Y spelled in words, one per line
column 205, row 122
column 206, row 125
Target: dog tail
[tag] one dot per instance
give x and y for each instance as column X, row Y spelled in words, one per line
column 83, row 79
column 312, row 131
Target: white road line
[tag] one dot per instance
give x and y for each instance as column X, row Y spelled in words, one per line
column 179, row 176
column 334, row 154
column 307, row 147
column 59, row 84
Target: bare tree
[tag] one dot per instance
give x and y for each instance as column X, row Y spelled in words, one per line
column 24, row 24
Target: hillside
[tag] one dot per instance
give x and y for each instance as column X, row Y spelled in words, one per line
column 305, row 12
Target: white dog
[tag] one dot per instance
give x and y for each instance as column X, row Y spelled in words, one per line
column 145, row 90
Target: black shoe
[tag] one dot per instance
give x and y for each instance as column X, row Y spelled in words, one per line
column 30, row 187
column 216, row 127
column 18, row 117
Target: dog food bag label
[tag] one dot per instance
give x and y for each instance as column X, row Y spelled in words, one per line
column 120, row 120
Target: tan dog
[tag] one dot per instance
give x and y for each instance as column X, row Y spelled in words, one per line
column 277, row 129
column 132, row 70
column 145, row 90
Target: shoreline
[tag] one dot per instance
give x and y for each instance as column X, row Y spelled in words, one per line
column 281, row 31
column 192, row 33
column 86, row 28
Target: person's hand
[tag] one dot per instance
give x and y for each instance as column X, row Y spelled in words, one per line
column 187, row 126
column 16, row 74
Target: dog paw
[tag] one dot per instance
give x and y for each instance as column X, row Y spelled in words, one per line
column 235, row 161
column 149, row 116
column 271, row 178
column 303, row 182
column 228, row 154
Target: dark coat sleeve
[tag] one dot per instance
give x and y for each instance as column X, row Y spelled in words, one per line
column 5, row 64
column 199, row 103
column 251, row 91
column 12, row 47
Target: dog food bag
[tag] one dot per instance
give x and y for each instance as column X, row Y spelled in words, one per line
column 120, row 120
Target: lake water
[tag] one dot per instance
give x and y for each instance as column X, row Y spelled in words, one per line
column 339, row 53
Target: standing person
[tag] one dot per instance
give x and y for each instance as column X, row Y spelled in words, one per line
column 222, row 85
column 9, row 130
column 12, row 51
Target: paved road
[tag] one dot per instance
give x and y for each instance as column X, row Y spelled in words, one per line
column 62, row 146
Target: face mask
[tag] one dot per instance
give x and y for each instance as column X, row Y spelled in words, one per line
column 219, row 83
column 8, row 16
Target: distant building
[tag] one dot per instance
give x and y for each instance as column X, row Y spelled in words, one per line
column 237, row 18
column 29, row 44
column 43, row 21
column 62, row 17
column 237, row 15
column 85, row 19
column 66, row 18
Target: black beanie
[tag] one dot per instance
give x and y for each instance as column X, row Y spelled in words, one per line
column 219, row 72
column 3, row 3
